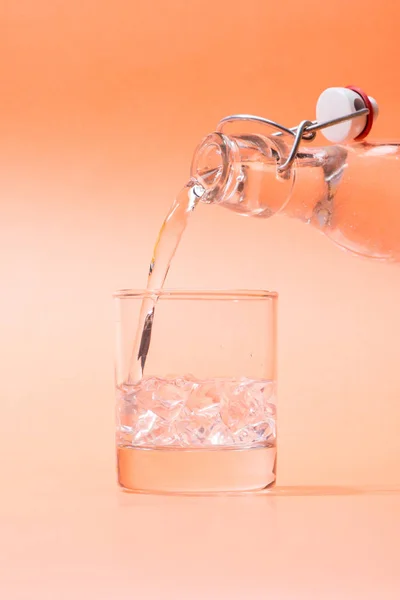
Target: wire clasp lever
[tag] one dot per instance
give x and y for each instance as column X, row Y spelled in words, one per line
column 344, row 115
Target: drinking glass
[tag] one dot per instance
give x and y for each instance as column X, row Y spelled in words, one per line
column 200, row 415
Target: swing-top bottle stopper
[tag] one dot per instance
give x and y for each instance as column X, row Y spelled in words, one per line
column 335, row 102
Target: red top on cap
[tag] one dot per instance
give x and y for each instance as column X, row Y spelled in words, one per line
column 370, row 115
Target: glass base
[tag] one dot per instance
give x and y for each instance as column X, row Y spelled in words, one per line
column 195, row 471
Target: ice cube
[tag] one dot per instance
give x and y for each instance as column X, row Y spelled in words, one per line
column 168, row 400
column 234, row 407
column 245, row 410
column 151, row 384
column 187, row 382
column 201, row 430
column 143, row 426
column 163, row 434
column 204, row 399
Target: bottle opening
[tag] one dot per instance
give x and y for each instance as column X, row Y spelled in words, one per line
column 212, row 166
column 241, row 173
column 209, row 165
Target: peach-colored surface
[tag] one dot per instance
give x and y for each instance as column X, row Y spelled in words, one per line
column 77, row 539
column 102, row 105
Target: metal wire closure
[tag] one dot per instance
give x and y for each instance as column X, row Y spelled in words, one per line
column 306, row 131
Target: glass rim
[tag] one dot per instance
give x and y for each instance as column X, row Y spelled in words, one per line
column 193, row 294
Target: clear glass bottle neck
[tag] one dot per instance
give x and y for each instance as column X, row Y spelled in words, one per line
column 243, row 173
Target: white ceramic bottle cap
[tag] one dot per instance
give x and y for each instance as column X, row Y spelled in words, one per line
column 339, row 101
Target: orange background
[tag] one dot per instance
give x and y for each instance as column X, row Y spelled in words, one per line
column 102, row 105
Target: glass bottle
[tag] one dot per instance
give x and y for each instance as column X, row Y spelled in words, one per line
column 348, row 192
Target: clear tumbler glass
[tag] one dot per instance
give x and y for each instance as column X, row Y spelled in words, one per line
column 201, row 417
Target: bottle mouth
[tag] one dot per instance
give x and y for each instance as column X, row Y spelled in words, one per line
column 241, row 172
column 211, row 166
